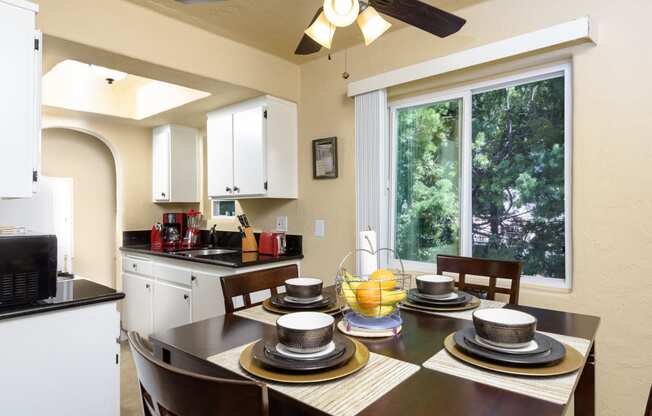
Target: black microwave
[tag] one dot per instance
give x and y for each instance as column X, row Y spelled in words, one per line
column 28, row 267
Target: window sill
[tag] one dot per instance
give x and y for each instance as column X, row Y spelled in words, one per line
column 542, row 284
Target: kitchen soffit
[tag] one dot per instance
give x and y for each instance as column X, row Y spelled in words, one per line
column 273, row 26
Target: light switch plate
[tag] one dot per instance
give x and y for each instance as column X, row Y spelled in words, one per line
column 320, row 228
column 282, row 224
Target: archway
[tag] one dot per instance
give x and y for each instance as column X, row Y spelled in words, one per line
column 92, row 162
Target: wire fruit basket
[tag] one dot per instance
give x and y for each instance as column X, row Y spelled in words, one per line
column 372, row 299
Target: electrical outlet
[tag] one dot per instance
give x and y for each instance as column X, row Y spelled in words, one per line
column 320, row 228
column 282, row 224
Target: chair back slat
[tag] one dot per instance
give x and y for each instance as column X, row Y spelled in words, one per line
column 493, row 269
column 246, row 283
column 171, row 391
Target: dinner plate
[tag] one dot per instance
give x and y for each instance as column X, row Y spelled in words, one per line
column 449, row 296
column 461, row 298
column 420, row 306
column 572, row 362
column 284, row 352
column 265, row 352
column 302, row 301
column 281, row 301
column 554, row 355
column 537, row 346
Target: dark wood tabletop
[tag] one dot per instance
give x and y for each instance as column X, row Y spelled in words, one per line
column 427, row 392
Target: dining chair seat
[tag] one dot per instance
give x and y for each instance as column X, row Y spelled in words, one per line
column 245, row 284
column 493, row 269
column 170, row 391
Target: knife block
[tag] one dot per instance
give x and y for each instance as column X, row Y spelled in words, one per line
column 249, row 241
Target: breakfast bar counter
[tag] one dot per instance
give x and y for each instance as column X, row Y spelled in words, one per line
column 425, row 391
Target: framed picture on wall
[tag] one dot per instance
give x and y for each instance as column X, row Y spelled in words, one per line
column 324, row 158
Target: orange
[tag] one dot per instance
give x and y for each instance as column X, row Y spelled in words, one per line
column 368, row 294
column 385, row 277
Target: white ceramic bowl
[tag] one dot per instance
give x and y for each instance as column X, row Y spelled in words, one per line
column 435, row 285
column 506, row 328
column 304, row 287
column 305, row 332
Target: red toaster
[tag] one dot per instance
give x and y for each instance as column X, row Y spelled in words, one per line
column 272, row 244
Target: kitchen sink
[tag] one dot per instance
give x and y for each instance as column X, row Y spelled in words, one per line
column 205, row 252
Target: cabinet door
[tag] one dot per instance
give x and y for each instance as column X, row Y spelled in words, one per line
column 137, row 304
column 172, row 306
column 220, row 155
column 207, row 298
column 161, row 164
column 17, row 115
column 249, row 161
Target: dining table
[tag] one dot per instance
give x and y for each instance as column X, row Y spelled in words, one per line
column 424, row 392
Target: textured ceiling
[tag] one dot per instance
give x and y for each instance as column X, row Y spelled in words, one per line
column 274, row 26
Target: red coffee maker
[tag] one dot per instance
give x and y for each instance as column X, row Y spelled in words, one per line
column 174, row 227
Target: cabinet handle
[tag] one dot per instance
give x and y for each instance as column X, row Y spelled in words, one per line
column 193, row 278
column 185, row 297
column 147, row 286
column 163, row 194
column 134, row 266
column 228, row 189
column 236, row 189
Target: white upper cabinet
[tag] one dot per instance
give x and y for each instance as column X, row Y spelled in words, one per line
column 20, row 106
column 252, row 150
column 220, row 155
column 175, row 164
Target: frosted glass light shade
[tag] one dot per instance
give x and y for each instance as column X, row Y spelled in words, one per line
column 341, row 12
column 322, row 31
column 372, row 25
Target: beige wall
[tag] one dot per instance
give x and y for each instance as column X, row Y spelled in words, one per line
column 89, row 162
column 131, row 147
column 612, row 229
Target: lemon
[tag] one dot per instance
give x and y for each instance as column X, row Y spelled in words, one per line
column 386, row 278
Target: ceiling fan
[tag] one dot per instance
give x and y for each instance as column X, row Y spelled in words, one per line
column 341, row 13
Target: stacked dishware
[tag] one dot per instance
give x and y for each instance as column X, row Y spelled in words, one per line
column 438, row 293
column 506, row 340
column 304, row 348
column 371, row 300
column 302, row 294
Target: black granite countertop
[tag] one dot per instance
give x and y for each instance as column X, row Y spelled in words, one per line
column 236, row 259
column 71, row 293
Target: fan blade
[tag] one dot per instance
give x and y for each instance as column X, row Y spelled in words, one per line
column 307, row 45
column 421, row 15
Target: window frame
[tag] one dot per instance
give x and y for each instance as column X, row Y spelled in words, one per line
column 465, row 93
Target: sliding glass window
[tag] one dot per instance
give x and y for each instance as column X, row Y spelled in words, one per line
column 485, row 172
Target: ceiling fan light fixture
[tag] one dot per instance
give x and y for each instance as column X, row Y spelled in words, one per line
column 341, row 12
column 372, row 25
column 322, row 31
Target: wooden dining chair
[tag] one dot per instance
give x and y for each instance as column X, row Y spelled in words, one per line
column 246, row 283
column 493, row 269
column 648, row 408
column 171, row 391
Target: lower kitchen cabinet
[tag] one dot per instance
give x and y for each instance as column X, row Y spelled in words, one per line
column 171, row 306
column 207, row 299
column 137, row 306
column 161, row 294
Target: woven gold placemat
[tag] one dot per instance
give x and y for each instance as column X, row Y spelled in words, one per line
column 258, row 313
column 343, row 397
column 556, row 389
column 468, row 315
